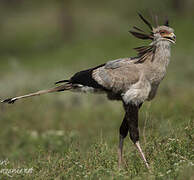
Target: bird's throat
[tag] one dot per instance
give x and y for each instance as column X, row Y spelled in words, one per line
column 162, row 54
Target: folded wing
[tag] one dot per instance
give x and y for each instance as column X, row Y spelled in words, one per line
column 117, row 75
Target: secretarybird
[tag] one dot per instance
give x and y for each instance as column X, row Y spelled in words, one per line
column 130, row 80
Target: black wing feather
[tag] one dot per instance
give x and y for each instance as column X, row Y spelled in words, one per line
column 85, row 78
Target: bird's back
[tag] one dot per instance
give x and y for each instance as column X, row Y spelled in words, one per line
column 117, row 75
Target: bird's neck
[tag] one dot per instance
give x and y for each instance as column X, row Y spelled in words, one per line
column 158, row 65
column 162, row 54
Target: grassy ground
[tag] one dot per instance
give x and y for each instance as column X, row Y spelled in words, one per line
column 74, row 136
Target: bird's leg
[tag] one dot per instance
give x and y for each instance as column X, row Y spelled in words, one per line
column 120, row 151
column 142, row 154
column 132, row 119
column 124, row 128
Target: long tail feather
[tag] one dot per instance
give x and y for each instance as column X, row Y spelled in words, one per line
column 64, row 87
column 62, row 81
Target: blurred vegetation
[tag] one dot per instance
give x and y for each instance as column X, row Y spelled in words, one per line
column 73, row 136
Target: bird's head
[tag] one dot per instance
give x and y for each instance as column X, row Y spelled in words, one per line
column 164, row 33
column 160, row 33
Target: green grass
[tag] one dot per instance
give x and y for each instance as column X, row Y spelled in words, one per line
column 75, row 136
column 72, row 140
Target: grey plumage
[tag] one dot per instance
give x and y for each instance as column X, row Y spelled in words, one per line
column 131, row 80
column 134, row 76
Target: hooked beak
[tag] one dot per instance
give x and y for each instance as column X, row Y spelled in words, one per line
column 171, row 37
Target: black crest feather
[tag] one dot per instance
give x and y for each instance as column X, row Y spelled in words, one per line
column 145, row 21
column 144, row 51
column 138, row 29
column 166, row 22
column 141, row 35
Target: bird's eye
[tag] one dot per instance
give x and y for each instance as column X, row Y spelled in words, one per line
column 162, row 32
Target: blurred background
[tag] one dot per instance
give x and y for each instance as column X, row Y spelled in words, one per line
column 45, row 41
